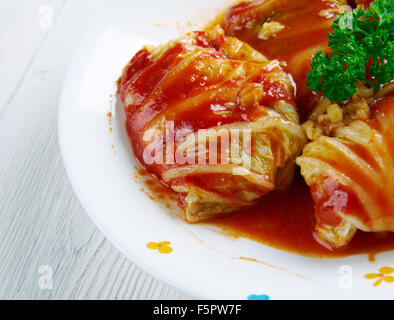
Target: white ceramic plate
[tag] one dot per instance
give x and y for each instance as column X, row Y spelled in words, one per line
column 203, row 263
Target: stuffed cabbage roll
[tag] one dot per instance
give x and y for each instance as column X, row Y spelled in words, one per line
column 351, row 175
column 217, row 98
column 291, row 31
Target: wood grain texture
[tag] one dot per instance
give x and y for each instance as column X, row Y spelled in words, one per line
column 42, row 222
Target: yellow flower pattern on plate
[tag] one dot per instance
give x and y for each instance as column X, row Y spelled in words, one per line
column 384, row 275
column 163, row 247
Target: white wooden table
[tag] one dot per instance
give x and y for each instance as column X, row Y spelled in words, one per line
column 42, row 224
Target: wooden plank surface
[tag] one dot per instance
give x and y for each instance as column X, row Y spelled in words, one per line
column 49, row 248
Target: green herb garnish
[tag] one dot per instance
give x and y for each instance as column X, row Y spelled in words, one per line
column 362, row 43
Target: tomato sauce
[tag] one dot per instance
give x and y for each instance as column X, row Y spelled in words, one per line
column 283, row 220
column 286, row 220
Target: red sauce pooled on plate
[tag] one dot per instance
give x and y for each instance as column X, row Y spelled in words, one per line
column 287, row 220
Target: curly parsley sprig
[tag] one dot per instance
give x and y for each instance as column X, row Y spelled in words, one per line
column 362, row 43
